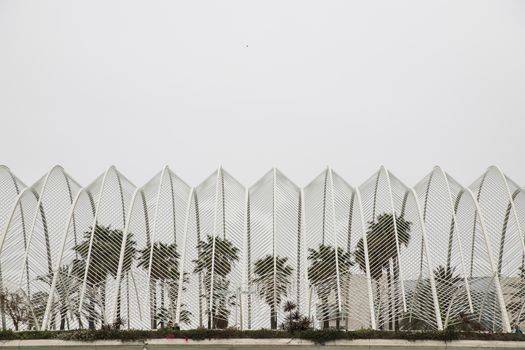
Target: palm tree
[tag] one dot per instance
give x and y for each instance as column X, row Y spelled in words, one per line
column 218, row 256
column 289, row 307
column 382, row 249
column 104, row 262
column 323, row 274
column 272, row 278
column 165, row 271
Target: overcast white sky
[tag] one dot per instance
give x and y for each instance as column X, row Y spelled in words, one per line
column 255, row 84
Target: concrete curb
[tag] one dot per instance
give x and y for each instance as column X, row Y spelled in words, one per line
column 260, row 344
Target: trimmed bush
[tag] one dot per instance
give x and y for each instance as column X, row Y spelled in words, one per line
column 316, row 336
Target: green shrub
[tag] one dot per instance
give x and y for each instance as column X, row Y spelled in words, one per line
column 316, row 336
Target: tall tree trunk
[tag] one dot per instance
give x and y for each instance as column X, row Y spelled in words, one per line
column 391, row 325
column 162, row 303
column 91, row 319
column 153, row 296
column 210, row 318
column 273, row 316
column 118, row 319
column 326, row 310
column 63, row 315
column 103, row 302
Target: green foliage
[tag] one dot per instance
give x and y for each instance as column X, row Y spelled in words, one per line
column 272, row 284
column 294, row 321
column 105, row 252
column 383, row 250
column 104, row 260
column 316, row 336
column 323, row 263
column 16, row 307
column 322, row 273
column 217, row 255
column 381, row 242
column 164, row 260
column 222, row 252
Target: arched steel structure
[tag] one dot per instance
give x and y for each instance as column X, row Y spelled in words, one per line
column 275, row 252
column 340, row 289
column 381, row 255
column 30, row 243
column 501, row 205
column 89, row 254
column 148, row 271
column 212, row 261
column 463, row 268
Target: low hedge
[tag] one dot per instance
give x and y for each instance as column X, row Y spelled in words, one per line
column 317, row 336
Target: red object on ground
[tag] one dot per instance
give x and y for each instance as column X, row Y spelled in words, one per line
column 186, row 338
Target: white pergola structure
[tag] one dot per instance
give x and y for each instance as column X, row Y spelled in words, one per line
column 381, row 255
column 274, row 251
column 211, row 258
column 84, row 281
column 339, row 289
column 29, row 246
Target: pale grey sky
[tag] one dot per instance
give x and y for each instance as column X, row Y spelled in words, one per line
column 297, row 84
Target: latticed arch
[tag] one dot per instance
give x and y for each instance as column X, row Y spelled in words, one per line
column 29, row 246
column 403, row 287
column 148, row 272
column 10, row 187
column 212, row 255
column 275, row 259
column 466, row 284
column 496, row 196
column 340, row 289
column 381, row 256
column 90, row 252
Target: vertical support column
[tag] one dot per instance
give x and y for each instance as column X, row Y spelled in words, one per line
column 45, row 321
column 401, row 282
column 463, row 267
column 245, row 271
column 437, row 311
column 373, row 324
column 274, row 216
column 334, row 228
column 503, row 309
column 121, row 257
column 305, row 255
column 183, row 257
column 212, row 274
column 94, row 224
column 151, row 283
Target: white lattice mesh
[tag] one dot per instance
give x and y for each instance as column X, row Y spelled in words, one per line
column 332, row 229
column 382, row 255
column 212, row 254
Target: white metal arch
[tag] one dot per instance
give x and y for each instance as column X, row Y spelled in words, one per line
column 440, row 219
column 502, row 223
column 45, row 203
column 114, row 198
column 435, row 300
column 53, row 231
column 505, row 318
